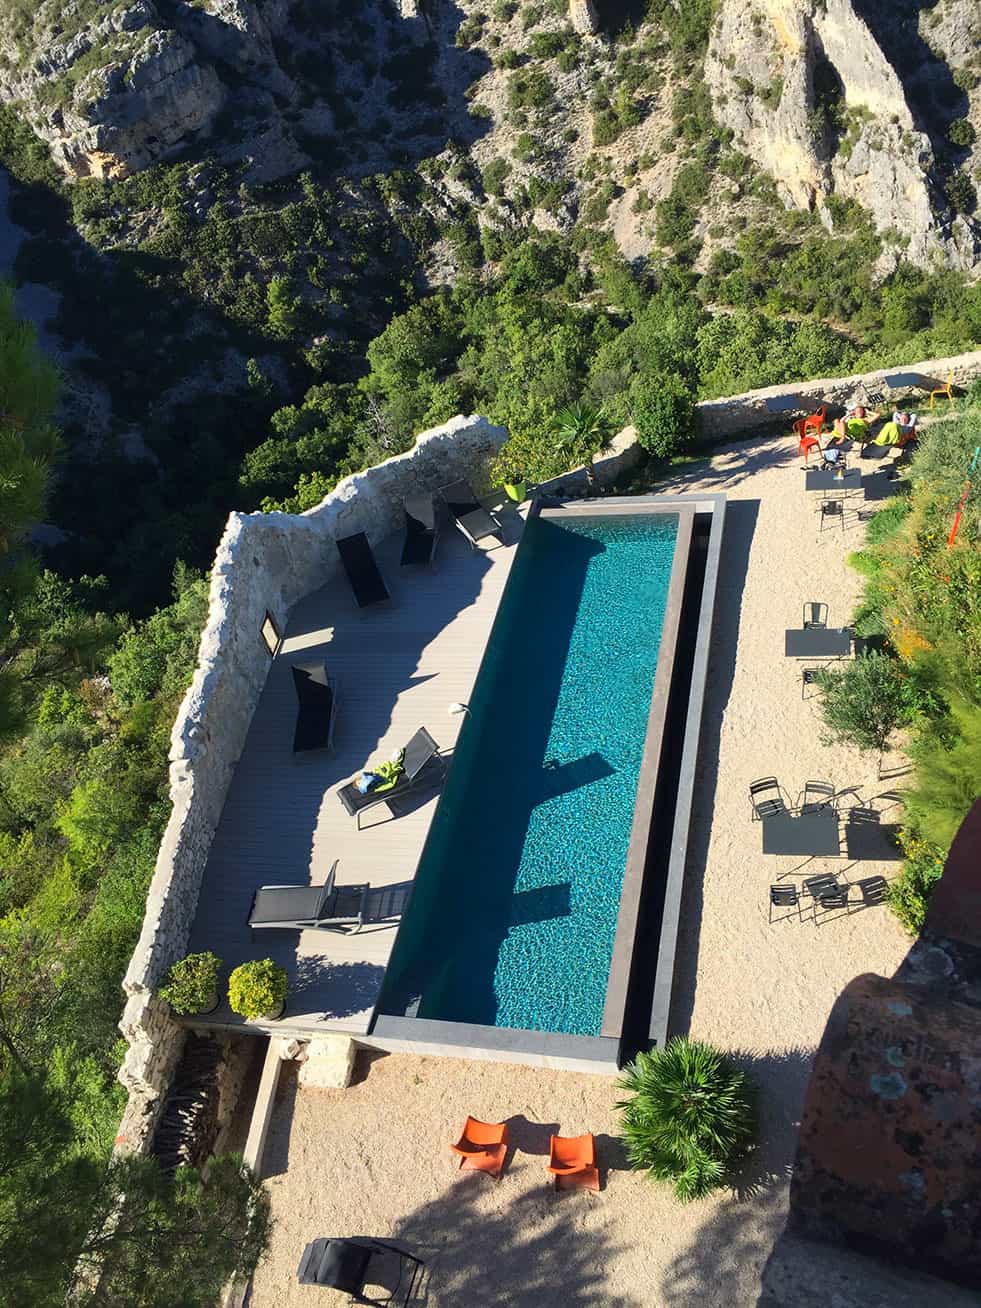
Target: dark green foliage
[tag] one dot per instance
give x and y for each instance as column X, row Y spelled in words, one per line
column 691, row 1117
column 530, row 88
column 961, row 132
column 961, row 192
column 864, row 703
column 663, row 412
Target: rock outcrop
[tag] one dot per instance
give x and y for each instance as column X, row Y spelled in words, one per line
column 115, row 91
column 811, row 95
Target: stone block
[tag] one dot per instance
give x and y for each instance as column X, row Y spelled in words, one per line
column 329, row 1063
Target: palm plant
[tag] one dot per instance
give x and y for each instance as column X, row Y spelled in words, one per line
column 691, row 1117
column 582, row 434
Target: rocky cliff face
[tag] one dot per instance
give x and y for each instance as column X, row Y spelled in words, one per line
column 835, row 97
column 113, row 87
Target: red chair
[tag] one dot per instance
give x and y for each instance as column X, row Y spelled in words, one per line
column 573, row 1159
column 816, row 420
column 483, row 1145
column 805, row 443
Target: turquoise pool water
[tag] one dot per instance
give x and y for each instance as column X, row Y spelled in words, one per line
column 515, row 905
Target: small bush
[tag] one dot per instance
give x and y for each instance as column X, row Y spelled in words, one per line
column 961, row 132
column 189, row 986
column 663, row 411
column 256, row 988
column 864, row 703
column 530, row 89
column 909, row 894
column 691, row 1117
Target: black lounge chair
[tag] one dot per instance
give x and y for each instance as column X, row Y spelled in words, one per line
column 346, row 1265
column 421, row 532
column 469, row 514
column 828, row 900
column 362, row 571
column 309, row 908
column 316, row 693
column 422, row 763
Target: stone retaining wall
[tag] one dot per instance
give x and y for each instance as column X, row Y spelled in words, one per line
column 265, row 562
column 737, row 415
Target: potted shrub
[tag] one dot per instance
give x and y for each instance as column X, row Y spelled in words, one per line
column 506, row 472
column 191, row 985
column 258, row 989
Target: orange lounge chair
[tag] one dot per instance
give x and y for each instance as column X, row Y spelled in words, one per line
column 483, row 1145
column 573, row 1159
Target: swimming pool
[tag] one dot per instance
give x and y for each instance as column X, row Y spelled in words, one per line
column 517, row 895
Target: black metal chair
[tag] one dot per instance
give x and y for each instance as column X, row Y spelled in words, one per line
column 815, row 614
column 819, row 885
column 351, row 1264
column 815, row 796
column 785, row 897
column 874, row 890
column 831, row 509
column 766, row 797
column 809, row 677
column 829, row 900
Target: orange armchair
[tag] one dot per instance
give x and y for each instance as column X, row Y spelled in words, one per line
column 483, row 1145
column 573, row 1159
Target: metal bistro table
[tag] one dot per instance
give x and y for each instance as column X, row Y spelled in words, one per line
column 829, row 479
column 817, row 642
column 803, row 835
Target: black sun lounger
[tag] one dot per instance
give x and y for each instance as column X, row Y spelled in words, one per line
column 302, row 908
column 421, row 531
column 362, row 571
column 470, row 516
column 316, row 694
column 422, row 763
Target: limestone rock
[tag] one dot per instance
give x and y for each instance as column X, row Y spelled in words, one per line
column 770, row 65
column 582, row 16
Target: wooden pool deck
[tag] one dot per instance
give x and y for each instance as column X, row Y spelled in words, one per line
column 398, row 667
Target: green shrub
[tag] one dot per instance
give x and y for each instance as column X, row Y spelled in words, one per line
column 189, row 986
column 691, row 1117
column 663, row 411
column 256, row 988
column 863, row 703
column 961, row 132
column 494, row 175
column 961, row 193
column 909, row 894
column 530, row 88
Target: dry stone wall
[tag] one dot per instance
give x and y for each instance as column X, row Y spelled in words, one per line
column 737, row 415
column 265, row 562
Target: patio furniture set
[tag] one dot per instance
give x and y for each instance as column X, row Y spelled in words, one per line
column 422, row 514
column 353, row 1263
column 330, row 907
column 811, row 829
column 814, row 639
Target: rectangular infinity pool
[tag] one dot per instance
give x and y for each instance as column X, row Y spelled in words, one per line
column 514, row 909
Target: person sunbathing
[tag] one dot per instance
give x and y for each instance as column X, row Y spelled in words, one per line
column 899, row 431
column 856, row 425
